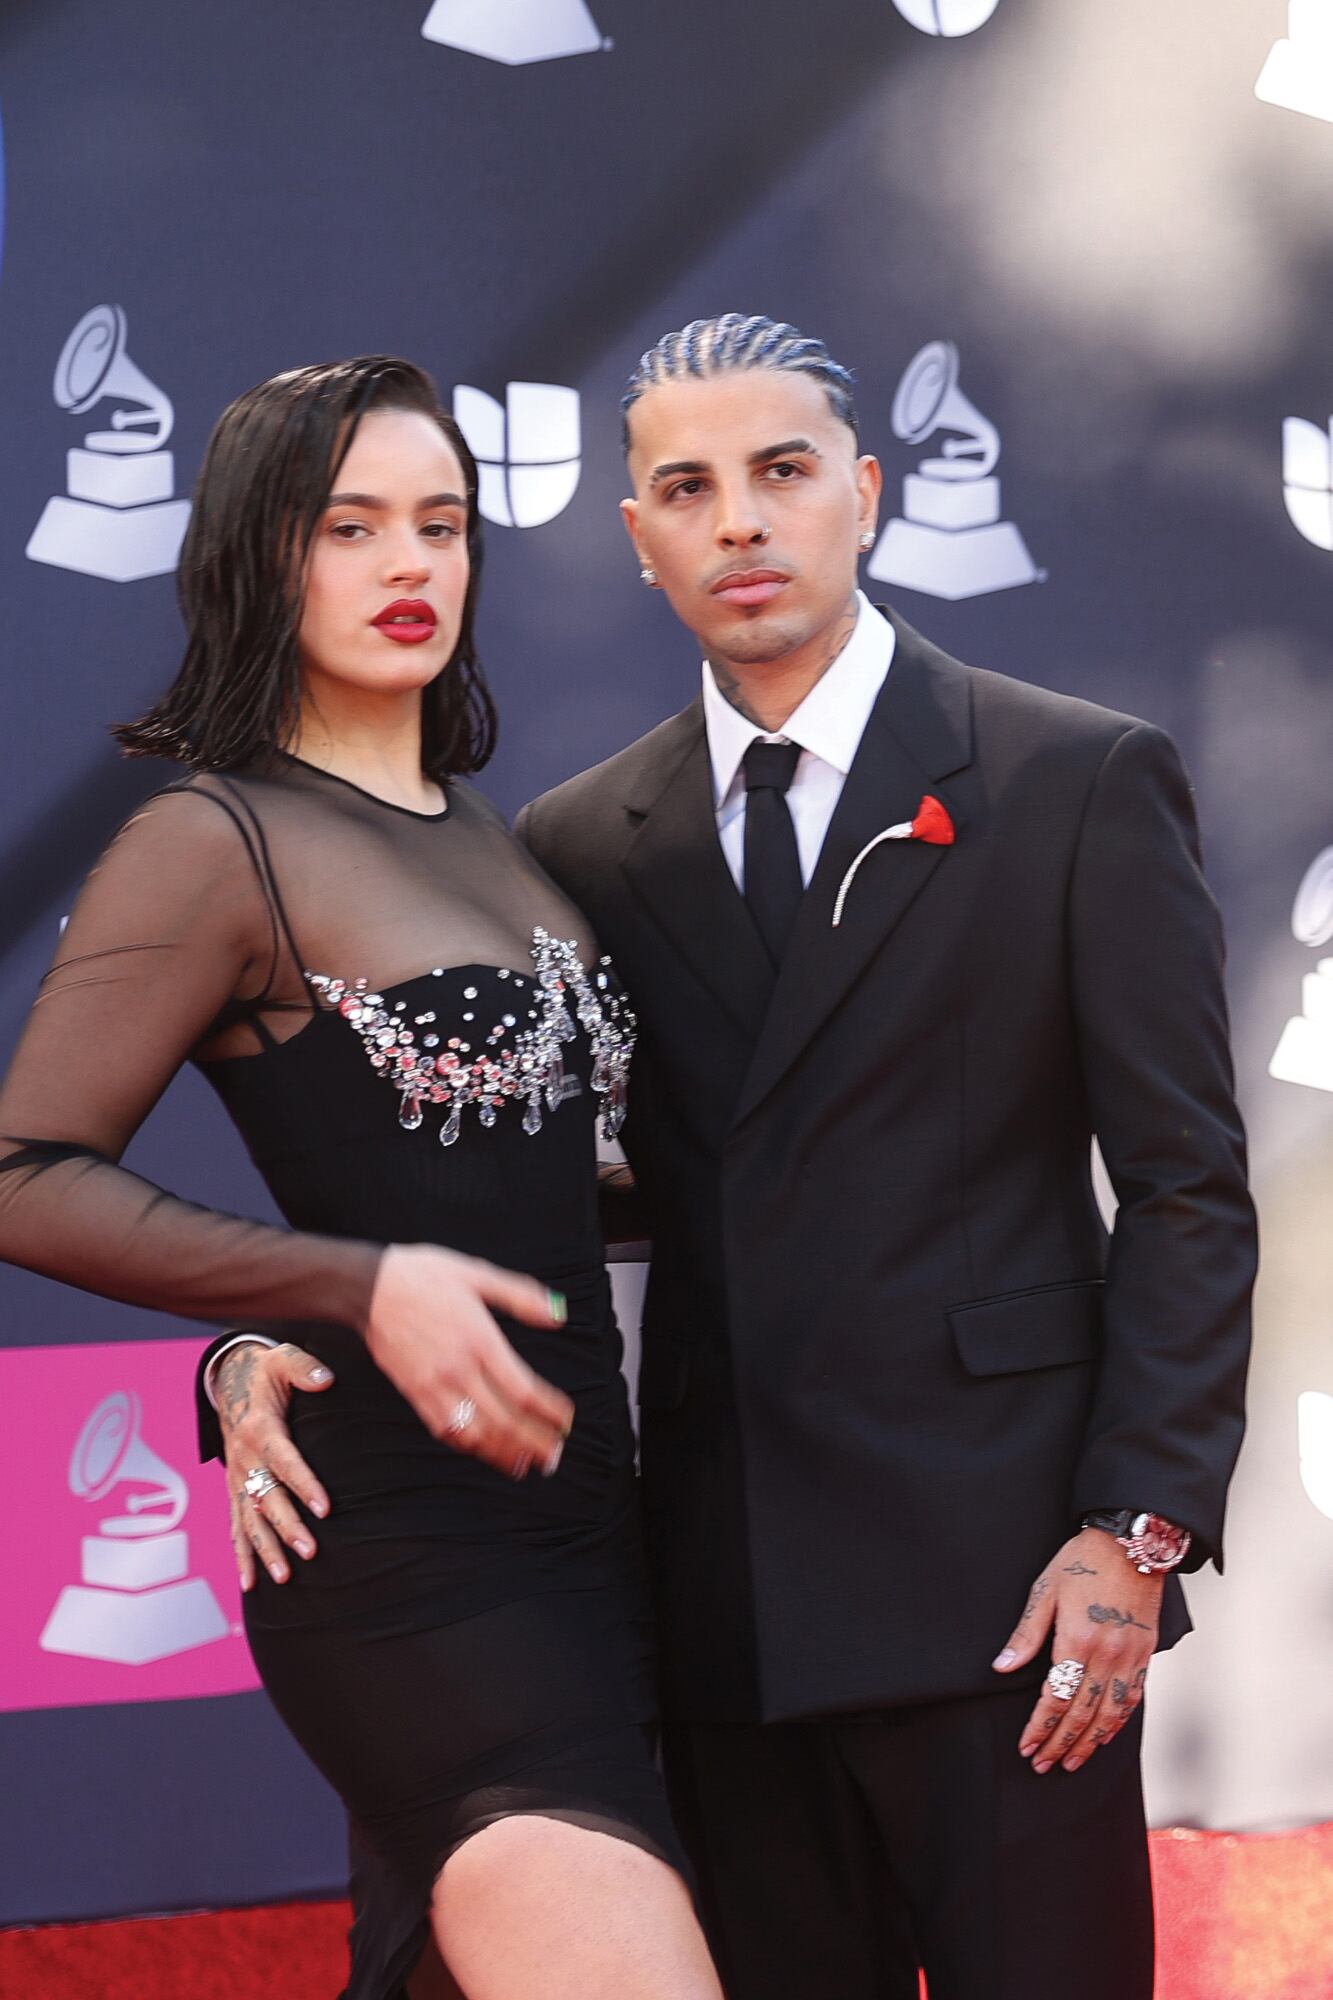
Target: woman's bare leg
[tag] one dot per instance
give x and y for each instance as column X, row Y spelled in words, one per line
column 538, row 1906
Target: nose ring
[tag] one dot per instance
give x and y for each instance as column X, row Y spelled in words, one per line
column 763, row 534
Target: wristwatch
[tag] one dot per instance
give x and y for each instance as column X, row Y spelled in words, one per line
column 1152, row 1544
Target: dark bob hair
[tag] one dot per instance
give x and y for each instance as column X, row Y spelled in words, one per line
column 262, row 489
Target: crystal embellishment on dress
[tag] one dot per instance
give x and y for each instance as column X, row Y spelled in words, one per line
column 529, row 1065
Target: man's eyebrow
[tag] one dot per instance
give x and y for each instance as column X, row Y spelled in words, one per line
column 688, row 466
column 373, row 501
column 792, row 448
column 692, row 467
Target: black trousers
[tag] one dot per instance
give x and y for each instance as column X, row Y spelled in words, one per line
column 837, row 1855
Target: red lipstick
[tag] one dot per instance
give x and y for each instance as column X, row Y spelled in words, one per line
column 409, row 620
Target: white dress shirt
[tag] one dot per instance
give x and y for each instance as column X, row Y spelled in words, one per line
column 828, row 725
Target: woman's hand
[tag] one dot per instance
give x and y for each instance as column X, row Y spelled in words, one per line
column 432, row 1332
column 253, row 1385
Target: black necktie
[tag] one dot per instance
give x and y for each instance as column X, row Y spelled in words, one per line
column 773, row 886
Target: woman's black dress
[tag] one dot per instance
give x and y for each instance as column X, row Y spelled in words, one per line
column 411, row 1030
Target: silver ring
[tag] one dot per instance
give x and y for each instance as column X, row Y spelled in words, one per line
column 259, row 1482
column 1065, row 1679
column 465, row 1413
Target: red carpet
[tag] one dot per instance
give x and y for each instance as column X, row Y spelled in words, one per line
column 1240, row 1917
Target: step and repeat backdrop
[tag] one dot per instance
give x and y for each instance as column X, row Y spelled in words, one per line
column 1081, row 260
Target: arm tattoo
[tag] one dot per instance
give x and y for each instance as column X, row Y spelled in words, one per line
column 1107, row 1614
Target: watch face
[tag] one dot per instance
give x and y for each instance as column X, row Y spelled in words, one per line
column 1156, row 1544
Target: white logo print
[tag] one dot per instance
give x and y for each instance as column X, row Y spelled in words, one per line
column 137, row 1601
column 1307, row 479
column 1314, row 1428
column 951, row 541
column 527, row 452
column 1299, row 72
column 514, row 31
column 1305, row 1052
column 119, row 520
column 947, row 17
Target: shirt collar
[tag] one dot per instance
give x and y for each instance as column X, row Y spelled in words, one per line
column 829, row 723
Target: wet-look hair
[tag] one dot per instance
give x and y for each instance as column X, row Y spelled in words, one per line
column 709, row 347
column 262, row 490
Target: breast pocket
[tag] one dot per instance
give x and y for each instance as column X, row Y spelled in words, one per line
column 1043, row 1326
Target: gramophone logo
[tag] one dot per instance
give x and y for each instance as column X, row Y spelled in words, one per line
column 950, row 540
column 1314, row 1426
column 117, row 519
column 947, row 17
column 1307, row 479
column 1305, row 1052
column 1298, row 74
column 114, row 1601
column 514, row 31
column 527, row 450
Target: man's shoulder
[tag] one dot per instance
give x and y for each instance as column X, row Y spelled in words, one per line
column 632, row 775
column 994, row 696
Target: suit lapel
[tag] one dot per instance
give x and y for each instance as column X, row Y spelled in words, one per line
column 675, row 865
column 918, row 733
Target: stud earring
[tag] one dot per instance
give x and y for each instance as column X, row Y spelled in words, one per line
column 868, row 539
column 649, row 576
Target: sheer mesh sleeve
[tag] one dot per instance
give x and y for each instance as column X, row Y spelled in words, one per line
column 171, row 930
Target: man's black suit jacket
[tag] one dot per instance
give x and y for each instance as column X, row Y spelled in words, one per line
column 887, row 1358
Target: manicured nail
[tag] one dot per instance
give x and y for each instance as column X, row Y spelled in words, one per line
column 303, row 1547
column 320, row 1375
column 1073, row 1763
column 1004, row 1659
column 552, row 1464
column 319, row 1507
column 558, row 1307
column 1027, row 1749
column 277, row 1572
column 246, row 1582
column 1040, row 1768
column 523, row 1465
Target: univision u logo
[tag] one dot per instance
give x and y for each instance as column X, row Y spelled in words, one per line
column 527, row 450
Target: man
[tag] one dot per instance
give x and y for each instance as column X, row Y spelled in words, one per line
column 902, row 936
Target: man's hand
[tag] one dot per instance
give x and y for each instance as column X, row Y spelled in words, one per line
column 1105, row 1614
column 253, row 1386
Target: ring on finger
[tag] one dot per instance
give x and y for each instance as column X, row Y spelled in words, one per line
column 259, row 1483
column 465, row 1413
column 1065, row 1679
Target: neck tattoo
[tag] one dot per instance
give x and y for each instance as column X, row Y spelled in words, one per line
column 729, row 683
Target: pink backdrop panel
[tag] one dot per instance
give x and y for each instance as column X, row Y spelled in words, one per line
column 123, row 1586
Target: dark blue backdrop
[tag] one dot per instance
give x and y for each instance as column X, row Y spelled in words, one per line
column 1132, row 255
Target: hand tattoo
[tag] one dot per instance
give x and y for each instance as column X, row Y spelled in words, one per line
column 1120, row 1694
column 1107, row 1614
column 1079, row 1569
column 234, row 1381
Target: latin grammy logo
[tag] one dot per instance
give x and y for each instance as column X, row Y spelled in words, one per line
column 527, row 450
column 1298, row 74
column 118, row 519
column 514, row 31
column 950, row 541
column 947, row 17
column 1305, row 1052
column 137, row 1601
column 1307, row 479
column 1314, row 1427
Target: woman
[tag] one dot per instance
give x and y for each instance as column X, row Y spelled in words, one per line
column 412, row 1032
